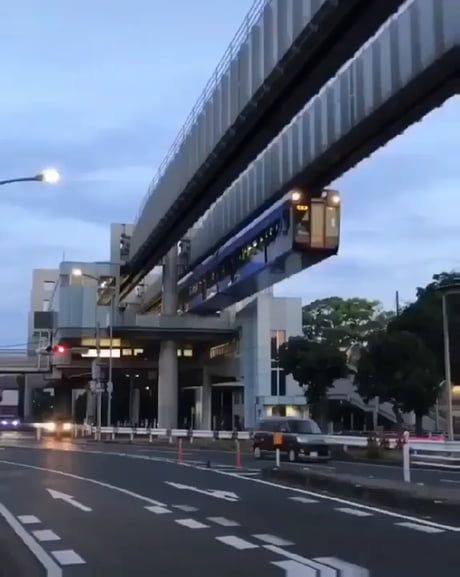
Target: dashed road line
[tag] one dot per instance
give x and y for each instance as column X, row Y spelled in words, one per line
column 303, row 500
column 51, row 567
column 237, row 542
column 223, row 522
column 356, row 512
column 191, row 523
column 46, row 535
column 186, row 508
column 158, row 510
column 273, row 540
column 295, row 568
column 68, row 557
column 422, row 528
column 315, row 567
column 28, row 519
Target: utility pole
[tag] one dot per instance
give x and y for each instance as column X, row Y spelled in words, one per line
column 448, row 384
column 98, row 380
column 110, row 382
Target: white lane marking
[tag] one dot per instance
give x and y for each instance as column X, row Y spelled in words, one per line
column 223, row 522
column 186, row 508
column 225, row 495
column 295, row 569
column 345, row 569
column 28, row 519
column 449, row 481
column 248, row 474
column 303, row 500
column 418, row 527
column 236, row 542
column 46, row 535
column 158, row 510
column 88, row 480
column 52, row 569
column 356, row 512
column 273, row 540
column 68, row 557
column 343, row 501
column 319, row 568
column 69, row 500
column 191, row 524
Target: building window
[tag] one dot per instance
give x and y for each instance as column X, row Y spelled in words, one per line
column 48, row 285
column 45, row 306
column 278, row 376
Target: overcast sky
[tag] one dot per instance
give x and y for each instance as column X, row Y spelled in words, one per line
column 100, row 88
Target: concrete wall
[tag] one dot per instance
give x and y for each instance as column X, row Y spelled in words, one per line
column 256, row 321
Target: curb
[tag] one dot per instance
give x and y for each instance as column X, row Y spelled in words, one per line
column 421, row 500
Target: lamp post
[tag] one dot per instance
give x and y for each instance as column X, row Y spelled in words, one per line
column 102, row 284
column 50, row 176
column 448, row 285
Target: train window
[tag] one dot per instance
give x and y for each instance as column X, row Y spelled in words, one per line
column 302, row 226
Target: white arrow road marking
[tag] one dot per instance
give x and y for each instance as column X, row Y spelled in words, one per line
column 68, row 499
column 225, row 495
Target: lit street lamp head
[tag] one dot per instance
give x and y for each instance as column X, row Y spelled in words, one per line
column 49, row 175
column 77, row 272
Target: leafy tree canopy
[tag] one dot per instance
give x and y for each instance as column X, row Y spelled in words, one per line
column 314, row 365
column 343, row 322
column 423, row 317
column 398, row 367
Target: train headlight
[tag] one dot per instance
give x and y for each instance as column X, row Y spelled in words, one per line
column 296, row 196
column 334, row 199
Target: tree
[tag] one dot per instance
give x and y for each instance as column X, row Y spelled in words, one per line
column 315, row 366
column 399, row 368
column 343, row 322
column 423, row 317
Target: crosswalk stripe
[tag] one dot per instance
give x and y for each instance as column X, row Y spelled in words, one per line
column 303, row 500
column 236, row 542
column 68, row 557
column 223, row 522
column 46, row 535
column 28, row 519
column 419, row 527
column 191, row 524
column 273, row 540
column 158, row 510
column 355, row 512
column 186, row 508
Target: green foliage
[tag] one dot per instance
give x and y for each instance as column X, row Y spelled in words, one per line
column 399, row 368
column 423, row 317
column 343, row 322
column 313, row 365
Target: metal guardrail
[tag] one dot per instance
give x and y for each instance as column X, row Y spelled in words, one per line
column 441, row 455
column 240, row 37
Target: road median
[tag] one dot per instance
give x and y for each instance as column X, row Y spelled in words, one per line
column 411, row 498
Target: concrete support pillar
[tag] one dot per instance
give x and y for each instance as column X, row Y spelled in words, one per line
column 90, row 407
column 134, row 405
column 203, row 398
column 167, row 362
column 28, row 395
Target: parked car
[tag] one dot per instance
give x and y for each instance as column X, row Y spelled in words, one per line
column 300, row 438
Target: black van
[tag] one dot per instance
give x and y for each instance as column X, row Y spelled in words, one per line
column 300, row 438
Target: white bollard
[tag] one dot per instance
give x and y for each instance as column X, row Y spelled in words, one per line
column 406, row 462
column 113, row 435
column 277, row 457
column 39, row 433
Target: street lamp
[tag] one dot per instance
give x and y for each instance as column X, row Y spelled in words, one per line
column 49, row 175
column 447, row 285
column 104, row 285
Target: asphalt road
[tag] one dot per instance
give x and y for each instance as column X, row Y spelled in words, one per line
column 120, row 511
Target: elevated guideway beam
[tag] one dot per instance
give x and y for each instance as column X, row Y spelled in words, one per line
column 281, row 61
column 409, row 68
column 15, row 362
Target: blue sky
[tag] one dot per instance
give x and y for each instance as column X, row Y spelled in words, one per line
column 100, row 89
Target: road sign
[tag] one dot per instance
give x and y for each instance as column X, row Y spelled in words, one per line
column 278, row 439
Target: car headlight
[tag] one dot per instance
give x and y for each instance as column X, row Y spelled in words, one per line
column 50, row 427
column 67, row 427
column 15, row 423
column 4, row 422
column 302, row 440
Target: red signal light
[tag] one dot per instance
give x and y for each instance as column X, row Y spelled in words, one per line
column 59, row 349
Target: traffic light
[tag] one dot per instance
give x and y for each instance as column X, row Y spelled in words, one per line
column 56, row 349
